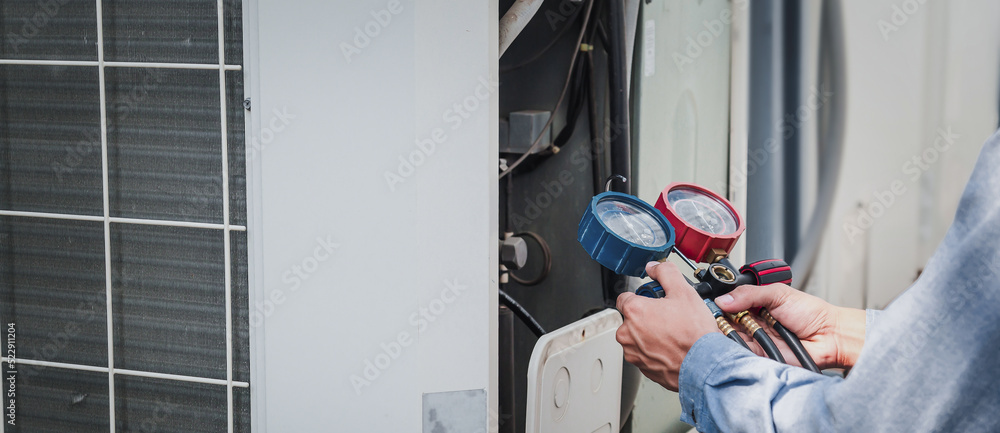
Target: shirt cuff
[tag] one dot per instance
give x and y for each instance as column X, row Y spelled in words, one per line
column 871, row 318
column 700, row 362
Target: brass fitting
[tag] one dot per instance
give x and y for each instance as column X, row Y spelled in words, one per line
column 722, row 273
column 766, row 315
column 744, row 318
column 736, row 317
column 724, row 325
column 715, row 255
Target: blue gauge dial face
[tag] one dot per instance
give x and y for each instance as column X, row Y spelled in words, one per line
column 632, row 223
column 703, row 211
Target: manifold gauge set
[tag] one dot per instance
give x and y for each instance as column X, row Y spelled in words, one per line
column 623, row 233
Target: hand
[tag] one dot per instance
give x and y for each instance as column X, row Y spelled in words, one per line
column 658, row 333
column 832, row 335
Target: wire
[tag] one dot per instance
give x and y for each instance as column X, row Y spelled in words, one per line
column 576, row 103
column 572, row 116
column 602, row 35
column 562, row 95
column 546, row 253
column 596, row 161
column 521, row 313
column 540, row 53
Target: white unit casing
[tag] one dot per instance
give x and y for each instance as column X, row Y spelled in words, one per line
column 373, row 214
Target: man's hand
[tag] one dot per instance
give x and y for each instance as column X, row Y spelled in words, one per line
column 832, row 335
column 658, row 333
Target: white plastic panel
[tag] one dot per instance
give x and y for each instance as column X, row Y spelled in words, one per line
column 574, row 378
column 373, row 250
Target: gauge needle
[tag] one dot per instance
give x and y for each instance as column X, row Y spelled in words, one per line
column 701, row 215
column 632, row 227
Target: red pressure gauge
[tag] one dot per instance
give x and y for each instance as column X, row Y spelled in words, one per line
column 706, row 225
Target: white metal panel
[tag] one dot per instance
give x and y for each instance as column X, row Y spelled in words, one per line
column 684, row 107
column 684, row 131
column 739, row 108
column 405, row 303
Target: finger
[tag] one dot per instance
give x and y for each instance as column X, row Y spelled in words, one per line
column 627, row 302
column 746, row 297
column 669, row 277
column 623, row 335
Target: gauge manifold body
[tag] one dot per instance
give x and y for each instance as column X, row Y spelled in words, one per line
column 705, row 223
column 624, row 233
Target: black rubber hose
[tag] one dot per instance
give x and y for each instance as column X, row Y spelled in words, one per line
column 521, row 313
column 596, row 137
column 576, row 103
column 619, row 126
column 792, row 340
column 720, row 318
column 768, row 345
column 506, row 375
column 508, row 199
column 621, row 149
column 735, row 336
column 796, row 345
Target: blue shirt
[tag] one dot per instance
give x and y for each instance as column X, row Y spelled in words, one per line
column 930, row 363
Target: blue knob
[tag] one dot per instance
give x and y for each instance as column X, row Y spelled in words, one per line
column 624, row 233
column 651, row 289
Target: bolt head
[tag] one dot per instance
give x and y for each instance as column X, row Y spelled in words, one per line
column 514, row 252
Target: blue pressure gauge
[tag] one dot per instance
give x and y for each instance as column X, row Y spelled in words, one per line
column 624, row 233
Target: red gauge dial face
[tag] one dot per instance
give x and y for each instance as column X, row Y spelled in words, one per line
column 704, row 222
column 704, row 212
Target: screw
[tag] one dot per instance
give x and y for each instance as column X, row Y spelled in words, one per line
column 246, row 104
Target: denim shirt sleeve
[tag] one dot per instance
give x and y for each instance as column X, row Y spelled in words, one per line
column 726, row 388
column 929, row 362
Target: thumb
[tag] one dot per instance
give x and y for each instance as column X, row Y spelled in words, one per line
column 670, row 278
column 746, row 297
column 624, row 299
